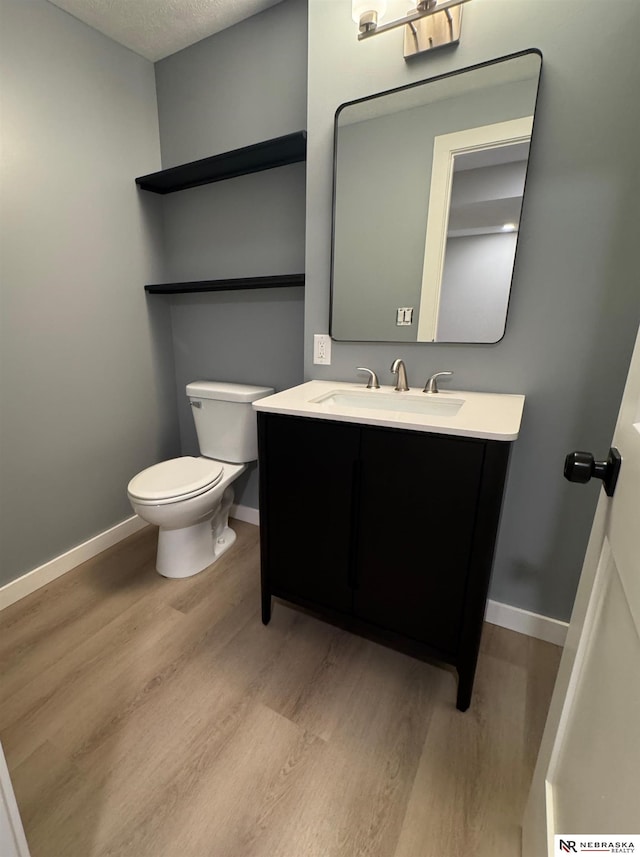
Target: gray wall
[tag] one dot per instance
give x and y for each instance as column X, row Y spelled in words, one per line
column 381, row 220
column 475, row 287
column 575, row 303
column 84, row 364
column 243, row 85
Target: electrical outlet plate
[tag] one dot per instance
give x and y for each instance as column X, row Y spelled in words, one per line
column 322, row 349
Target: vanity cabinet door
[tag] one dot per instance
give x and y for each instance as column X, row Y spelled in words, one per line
column 307, row 469
column 416, row 514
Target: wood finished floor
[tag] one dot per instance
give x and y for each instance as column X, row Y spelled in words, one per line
column 144, row 717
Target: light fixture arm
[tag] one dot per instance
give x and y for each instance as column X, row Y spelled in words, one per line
column 424, row 10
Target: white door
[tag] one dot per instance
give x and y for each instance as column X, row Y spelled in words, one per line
column 587, row 778
column 12, row 839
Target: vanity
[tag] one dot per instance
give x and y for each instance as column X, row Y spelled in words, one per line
column 379, row 511
column 379, row 506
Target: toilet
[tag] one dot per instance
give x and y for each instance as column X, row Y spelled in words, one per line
column 189, row 497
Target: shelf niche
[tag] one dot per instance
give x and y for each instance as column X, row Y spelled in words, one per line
column 289, row 149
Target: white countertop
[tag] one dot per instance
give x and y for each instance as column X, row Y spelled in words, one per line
column 493, row 416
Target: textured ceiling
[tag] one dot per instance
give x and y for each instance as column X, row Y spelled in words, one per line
column 156, row 28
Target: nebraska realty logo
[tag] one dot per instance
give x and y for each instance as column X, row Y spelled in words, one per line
column 577, row 843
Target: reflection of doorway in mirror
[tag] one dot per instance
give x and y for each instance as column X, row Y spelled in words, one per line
column 477, row 183
column 484, row 216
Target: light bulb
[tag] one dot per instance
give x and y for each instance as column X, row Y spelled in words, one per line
column 372, row 10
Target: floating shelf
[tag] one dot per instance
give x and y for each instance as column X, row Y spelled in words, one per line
column 278, row 152
column 283, row 281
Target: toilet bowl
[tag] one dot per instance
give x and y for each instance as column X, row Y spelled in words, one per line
column 193, row 524
column 189, row 498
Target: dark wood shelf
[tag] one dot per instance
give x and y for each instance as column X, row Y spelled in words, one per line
column 278, row 152
column 282, row 281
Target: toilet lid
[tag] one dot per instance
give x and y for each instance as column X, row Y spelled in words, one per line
column 178, row 478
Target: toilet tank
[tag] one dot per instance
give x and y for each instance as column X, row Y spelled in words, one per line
column 225, row 420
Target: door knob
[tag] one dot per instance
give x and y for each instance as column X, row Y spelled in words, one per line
column 582, row 466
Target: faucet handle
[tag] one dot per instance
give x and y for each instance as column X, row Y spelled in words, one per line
column 373, row 383
column 432, row 384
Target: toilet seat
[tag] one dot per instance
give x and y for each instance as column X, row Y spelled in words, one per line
column 175, row 479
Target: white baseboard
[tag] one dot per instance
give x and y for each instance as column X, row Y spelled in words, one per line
column 531, row 624
column 245, row 513
column 504, row 615
column 44, row 574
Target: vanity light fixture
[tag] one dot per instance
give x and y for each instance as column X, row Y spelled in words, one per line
column 432, row 24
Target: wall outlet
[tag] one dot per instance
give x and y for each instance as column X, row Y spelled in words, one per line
column 322, row 349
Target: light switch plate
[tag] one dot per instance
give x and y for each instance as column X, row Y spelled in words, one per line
column 404, row 316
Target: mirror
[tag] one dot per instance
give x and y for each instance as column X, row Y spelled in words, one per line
column 428, row 187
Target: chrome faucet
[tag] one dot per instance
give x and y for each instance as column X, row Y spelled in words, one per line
column 373, row 383
column 398, row 368
column 432, row 384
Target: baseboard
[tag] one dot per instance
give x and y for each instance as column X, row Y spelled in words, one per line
column 504, row 615
column 531, row 624
column 245, row 513
column 44, row 574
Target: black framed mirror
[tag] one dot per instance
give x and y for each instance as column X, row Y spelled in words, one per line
column 429, row 182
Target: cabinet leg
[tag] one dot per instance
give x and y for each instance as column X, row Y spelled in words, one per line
column 465, row 688
column 266, row 608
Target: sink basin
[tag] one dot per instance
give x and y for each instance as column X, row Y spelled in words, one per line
column 372, row 400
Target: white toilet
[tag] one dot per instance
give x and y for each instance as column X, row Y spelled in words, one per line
column 189, row 498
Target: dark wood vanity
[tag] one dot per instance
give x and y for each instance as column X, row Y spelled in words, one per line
column 385, row 531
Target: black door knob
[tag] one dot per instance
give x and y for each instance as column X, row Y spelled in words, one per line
column 582, row 466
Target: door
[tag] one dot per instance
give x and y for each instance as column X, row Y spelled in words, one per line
column 417, row 512
column 307, row 471
column 586, row 778
column 12, row 839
